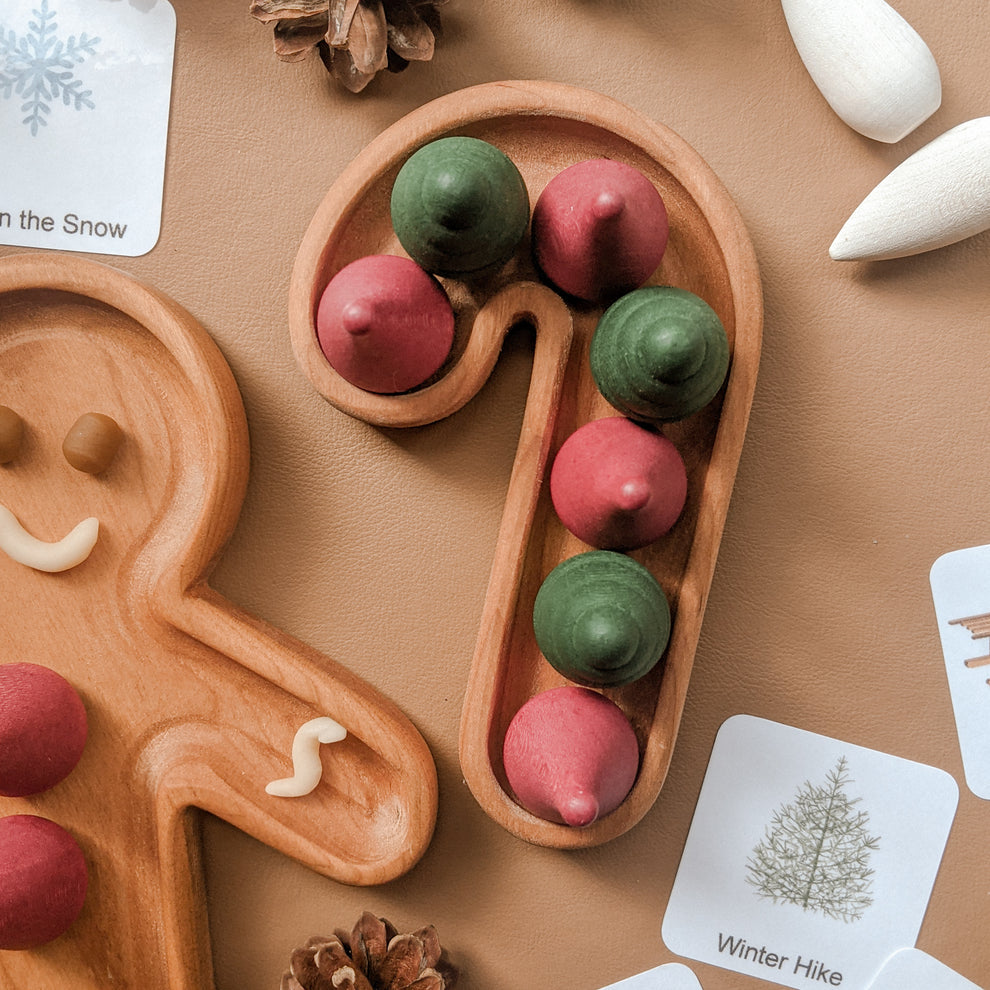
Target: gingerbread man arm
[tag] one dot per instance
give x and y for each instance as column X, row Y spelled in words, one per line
column 379, row 792
column 369, row 819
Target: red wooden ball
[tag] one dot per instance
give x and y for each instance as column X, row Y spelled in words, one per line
column 43, row 881
column 600, row 229
column 570, row 756
column 384, row 324
column 42, row 729
column 618, row 485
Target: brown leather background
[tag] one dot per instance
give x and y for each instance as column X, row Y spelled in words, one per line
column 865, row 460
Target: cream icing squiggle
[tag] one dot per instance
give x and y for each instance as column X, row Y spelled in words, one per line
column 306, row 766
column 72, row 549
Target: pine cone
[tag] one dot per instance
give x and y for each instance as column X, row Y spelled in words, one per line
column 354, row 38
column 374, row 956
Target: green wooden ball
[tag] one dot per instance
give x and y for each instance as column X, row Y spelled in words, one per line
column 659, row 354
column 601, row 619
column 459, row 205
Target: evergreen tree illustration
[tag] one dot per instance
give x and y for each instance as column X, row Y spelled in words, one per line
column 40, row 67
column 815, row 853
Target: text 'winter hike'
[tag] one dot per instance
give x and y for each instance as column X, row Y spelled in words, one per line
column 810, row 969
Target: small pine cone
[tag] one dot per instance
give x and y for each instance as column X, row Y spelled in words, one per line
column 374, row 956
column 354, row 38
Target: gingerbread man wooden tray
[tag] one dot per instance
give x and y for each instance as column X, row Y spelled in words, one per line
column 544, row 128
column 190, row 703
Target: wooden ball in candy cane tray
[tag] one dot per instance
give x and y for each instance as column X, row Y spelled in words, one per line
column 601, row 619
column 618, row 484
column 570, row 756
column 459, row 205
column 600, row 229
column 384, row 324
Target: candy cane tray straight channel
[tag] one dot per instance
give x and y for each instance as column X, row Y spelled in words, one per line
column 544, row 128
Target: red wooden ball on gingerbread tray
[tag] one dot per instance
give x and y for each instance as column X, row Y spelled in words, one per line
column 599, row 229
column 384, row 324
column 618, row 485
column 42, row 729
column 43, row 881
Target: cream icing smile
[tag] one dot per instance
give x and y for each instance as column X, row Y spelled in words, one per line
column 72, row 549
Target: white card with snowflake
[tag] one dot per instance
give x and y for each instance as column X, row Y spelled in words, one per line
column 912, row 969
column 960, row 583
column 85, row 88
column 672, row 976
column 809, row 860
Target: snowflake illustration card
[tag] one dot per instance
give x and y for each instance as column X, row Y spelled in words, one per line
column 85, row 87
column 809, row 860
column 672, row 976
column 961, row 591
column 912, row 969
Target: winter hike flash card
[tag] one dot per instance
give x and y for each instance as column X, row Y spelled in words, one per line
column 672, row 976
column 809, row 860
column 961, row 591
column 84, row 101
column 912, row 969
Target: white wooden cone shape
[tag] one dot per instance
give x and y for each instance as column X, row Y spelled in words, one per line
column 938, row 196
column 871, row 66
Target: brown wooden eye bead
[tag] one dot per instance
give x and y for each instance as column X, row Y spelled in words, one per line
column 92, row 442
column 11, row 434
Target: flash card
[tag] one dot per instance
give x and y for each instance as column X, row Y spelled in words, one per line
column 912, row 969
column 85, row 88
column 673, row 976
column 961, row 591
column 809, row 860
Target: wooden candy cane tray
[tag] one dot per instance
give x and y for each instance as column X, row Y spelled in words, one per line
column 544, row 128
